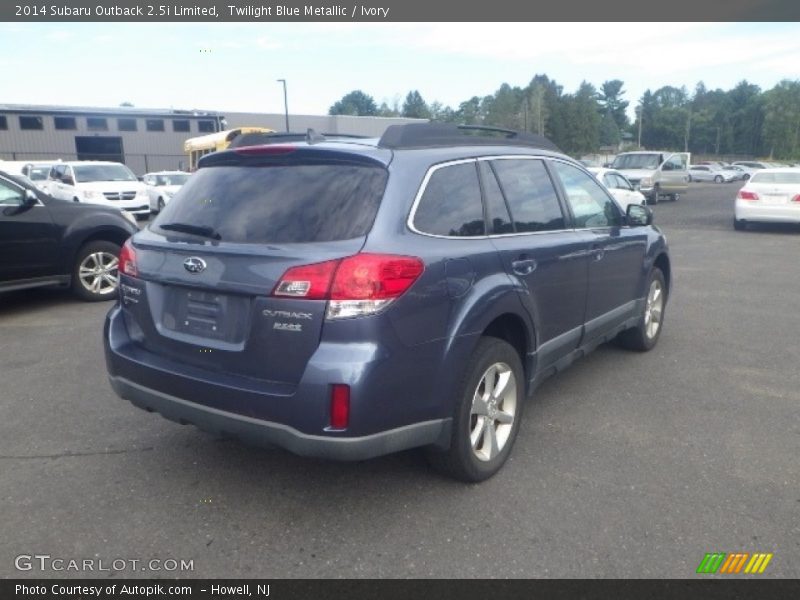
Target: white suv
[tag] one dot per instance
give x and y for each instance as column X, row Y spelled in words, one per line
column 96, row 182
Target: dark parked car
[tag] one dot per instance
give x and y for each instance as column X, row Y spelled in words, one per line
column 347, row 299
column 49, row 242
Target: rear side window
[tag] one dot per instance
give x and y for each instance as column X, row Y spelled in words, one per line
column 496, row 208
column 280, row 204
column 451, row 204
column 530, row 194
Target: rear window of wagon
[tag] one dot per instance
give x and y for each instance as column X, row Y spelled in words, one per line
column 280, row 204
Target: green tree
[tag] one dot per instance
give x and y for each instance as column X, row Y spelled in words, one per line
column 747, row 118
column 415, row 107
column 609, row 131
column 505, row 108
column 355, row 103
column 469, row 112
column 782, row 120
column 610, row 99
column 583, row 116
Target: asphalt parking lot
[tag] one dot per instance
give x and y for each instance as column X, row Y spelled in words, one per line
column 627, row 465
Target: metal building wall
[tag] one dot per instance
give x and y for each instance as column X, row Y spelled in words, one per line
column 152, row 151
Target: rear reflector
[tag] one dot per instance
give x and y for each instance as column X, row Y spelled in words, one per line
column 127, row 260
column 745, row 195
column 340, row 406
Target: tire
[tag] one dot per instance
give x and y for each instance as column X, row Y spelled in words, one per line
column 75, row 200
column 688, row 179
column 161, row 205
column 675, row 197
column 746, row 176
column 94, row 275
column 645, row 335
column 653, row 199
column 718, row 179
column 475, row 419
column 739, row 224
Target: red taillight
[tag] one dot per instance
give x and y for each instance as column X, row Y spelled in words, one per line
column 796, row 198
column 745, row 195
column 359, row 277
column 375, row 276
column 311, row 282
column 340, row 406
column 273, row 149
column 127, row 260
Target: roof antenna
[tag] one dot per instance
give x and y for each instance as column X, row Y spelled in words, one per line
column 312, row 137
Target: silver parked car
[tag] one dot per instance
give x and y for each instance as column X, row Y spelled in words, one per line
column 709, row 173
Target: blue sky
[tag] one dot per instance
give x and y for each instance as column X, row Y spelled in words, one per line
column 234, row 66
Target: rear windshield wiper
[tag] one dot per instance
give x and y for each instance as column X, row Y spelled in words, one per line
column 201, row 230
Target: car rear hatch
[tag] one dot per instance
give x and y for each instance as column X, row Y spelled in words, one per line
column 777, row 188
column 207, row 267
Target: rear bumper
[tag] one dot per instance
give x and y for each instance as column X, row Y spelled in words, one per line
column 384, row 416
column 768, row 213
column 265, row 433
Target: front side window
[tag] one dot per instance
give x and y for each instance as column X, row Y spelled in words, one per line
column 621, row 182
column 676, row 162
column 530, row 194
column 10, row 195
column 591, row 206
column 451, row 204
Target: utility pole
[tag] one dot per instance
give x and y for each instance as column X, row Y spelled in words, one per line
column 285, row 103
column 639, row 118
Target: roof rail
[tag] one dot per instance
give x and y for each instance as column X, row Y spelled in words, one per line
column 424, row 135
column 282, row 137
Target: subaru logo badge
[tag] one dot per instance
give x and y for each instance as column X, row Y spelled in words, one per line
column 194, row 264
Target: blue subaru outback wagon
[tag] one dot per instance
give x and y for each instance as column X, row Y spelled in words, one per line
column 355, row 297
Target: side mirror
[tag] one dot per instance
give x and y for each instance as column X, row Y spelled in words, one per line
column 638, row 216
column 30, row 199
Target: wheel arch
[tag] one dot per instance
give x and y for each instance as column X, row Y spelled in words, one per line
column 662, row 262
column 106, row 234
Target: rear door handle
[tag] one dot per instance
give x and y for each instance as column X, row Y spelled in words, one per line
column 524, row 266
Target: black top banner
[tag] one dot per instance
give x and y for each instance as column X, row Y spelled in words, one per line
column 398, row 10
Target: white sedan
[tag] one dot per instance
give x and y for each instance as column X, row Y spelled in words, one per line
column 161, row 187
column 770, row 196
column 620, row 188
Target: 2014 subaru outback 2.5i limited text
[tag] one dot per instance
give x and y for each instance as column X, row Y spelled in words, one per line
column 348, row 299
